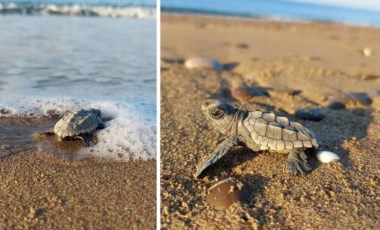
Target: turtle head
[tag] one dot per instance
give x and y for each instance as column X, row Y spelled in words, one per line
column 221, row 115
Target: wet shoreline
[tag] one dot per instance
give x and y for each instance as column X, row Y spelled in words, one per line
column 49, row 187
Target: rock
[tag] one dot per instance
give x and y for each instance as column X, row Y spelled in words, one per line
column 32, row 213
column 5, row 147
column 374, row 93
column 336, row 105
column 340, row 101
column 203, row 62
column 311, row 114
column 5, row 111
column 285, row 92
column 242, row 46
column 226, row 192
column 244, row 92
column 361, row 98
column 367, row 51
column 369, row 77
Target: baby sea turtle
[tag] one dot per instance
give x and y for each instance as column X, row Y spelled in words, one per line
column 79, row 125
column 259, row 131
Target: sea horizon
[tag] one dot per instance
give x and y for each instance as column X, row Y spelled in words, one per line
column 275, row 10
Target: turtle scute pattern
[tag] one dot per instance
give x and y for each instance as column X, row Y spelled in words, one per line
column 270, row 131
column 75, row 123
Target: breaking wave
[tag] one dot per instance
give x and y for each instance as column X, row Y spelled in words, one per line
column 78, row 10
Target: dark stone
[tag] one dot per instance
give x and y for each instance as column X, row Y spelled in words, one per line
column 369, row 77
column 242, row 46
column 5, row 111
column 285, row 92
column 341, row 100
column 336, row 105
column 310, row 114
column 361, row 98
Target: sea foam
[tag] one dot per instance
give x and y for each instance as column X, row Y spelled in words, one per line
column 78, row 10
column 130, row 131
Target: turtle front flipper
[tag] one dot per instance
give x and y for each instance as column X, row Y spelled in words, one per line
column 218, row 153
column 297, row 163
column 88, row 139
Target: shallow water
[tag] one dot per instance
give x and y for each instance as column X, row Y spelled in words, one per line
column 52, row 64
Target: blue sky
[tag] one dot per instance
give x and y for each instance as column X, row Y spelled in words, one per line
column 360, row 4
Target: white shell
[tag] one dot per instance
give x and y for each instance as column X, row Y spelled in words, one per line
column 327, row 156
column 367, row 51
column 203, row 62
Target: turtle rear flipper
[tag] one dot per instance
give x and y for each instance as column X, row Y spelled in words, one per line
column 297, row 163
column 101, row 125
column 88, row 139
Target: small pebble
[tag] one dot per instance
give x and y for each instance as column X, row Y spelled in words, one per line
column 285, row 92
column 336, row 105
column 311, row 114
column 226, row 192
column 5, row 111
column 361, row 98
column 32, row 213
column 244, row 92
column 341, row 100
column 242, row 46
column 369, row 77
column 374, row 93
column 327, row 156
column 367, row 51
column 203, row 62
column 5, row 147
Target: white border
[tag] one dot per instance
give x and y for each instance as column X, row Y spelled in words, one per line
column 158, row 90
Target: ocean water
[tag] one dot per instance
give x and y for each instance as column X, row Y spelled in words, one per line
column 51, row 64
column 276, row 10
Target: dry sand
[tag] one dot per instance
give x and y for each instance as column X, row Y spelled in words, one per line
column 318, row 59
column 41, row 188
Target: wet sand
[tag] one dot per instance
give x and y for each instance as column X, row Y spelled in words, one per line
column 317, row 61
column 44, row 189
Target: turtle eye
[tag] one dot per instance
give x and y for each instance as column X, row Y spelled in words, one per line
column 217, row 113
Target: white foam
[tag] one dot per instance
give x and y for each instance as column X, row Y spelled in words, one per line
column 81, row 10
column 129, row 133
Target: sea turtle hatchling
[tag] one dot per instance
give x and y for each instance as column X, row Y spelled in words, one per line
column 259, row 131
column 79, row 125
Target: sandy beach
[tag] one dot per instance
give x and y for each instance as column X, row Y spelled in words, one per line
column 42, row 188
column 298, row 65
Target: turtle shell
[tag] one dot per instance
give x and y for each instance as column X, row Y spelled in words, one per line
column 270, row 131
column 76, row 123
